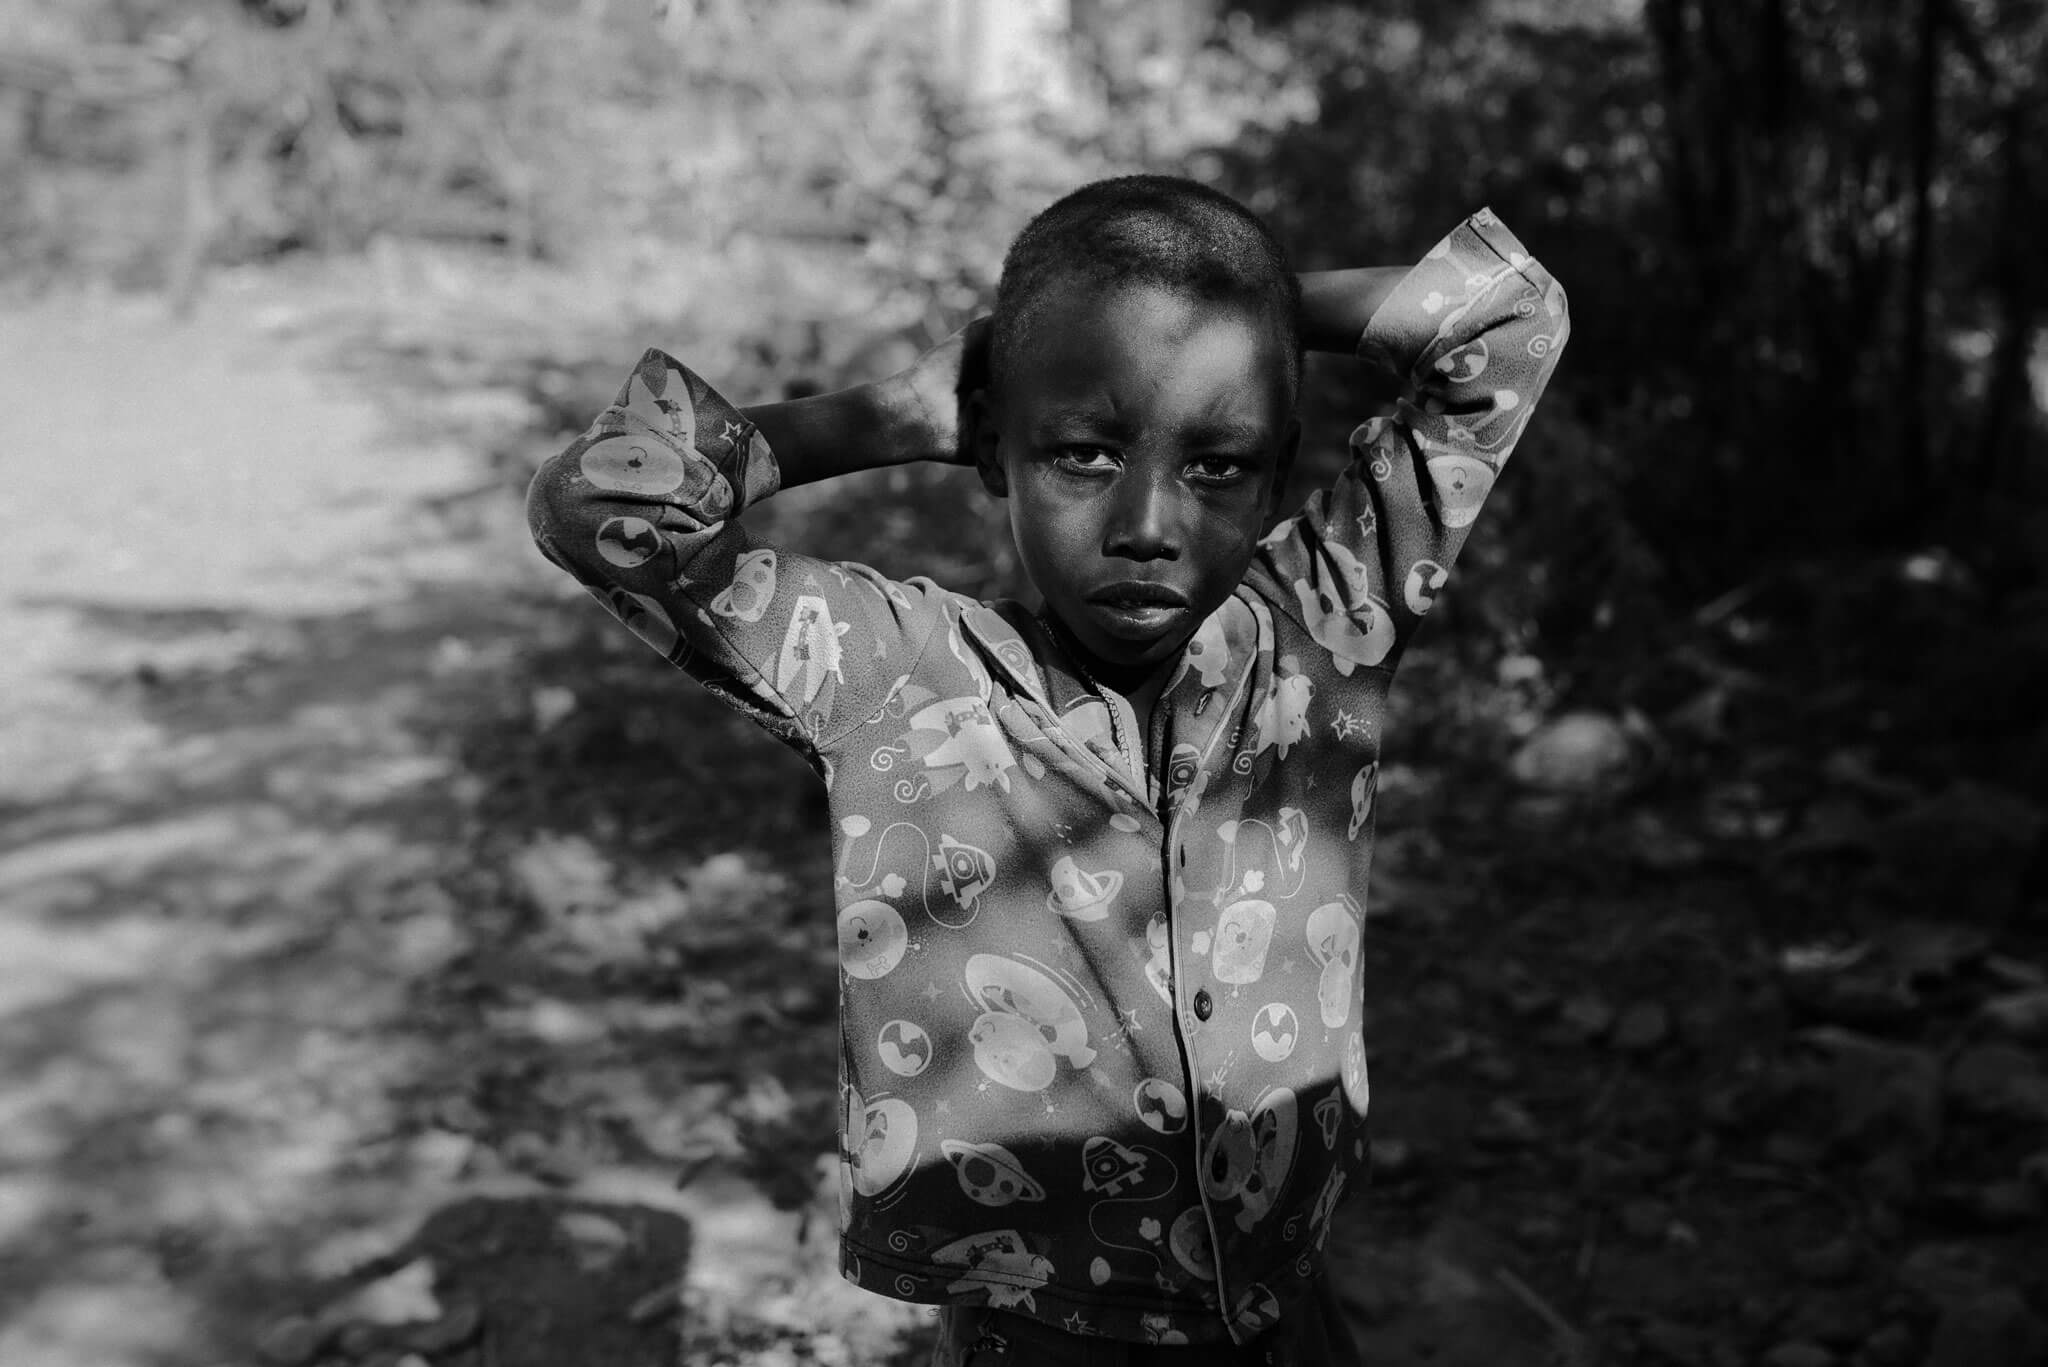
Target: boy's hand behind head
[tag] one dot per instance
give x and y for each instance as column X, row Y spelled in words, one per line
column 929, row 397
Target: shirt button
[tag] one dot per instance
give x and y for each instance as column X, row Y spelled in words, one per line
column 1204, row 1004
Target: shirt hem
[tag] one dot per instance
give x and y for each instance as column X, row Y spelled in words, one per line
column 1201, row 1324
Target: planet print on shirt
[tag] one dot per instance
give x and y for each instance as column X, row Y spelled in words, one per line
column 1462, row 484
column 879, row 1141
column 1275, row 1031
column 1080, row 895
column 628, row 541
column 872, row 939
column 1189, row 1241
column 1425, row 580
column 1160, row 1105
column 633, row 464
column 990, row 1174
column 904, row 1047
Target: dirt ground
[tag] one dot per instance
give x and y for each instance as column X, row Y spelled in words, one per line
column 343, row 1021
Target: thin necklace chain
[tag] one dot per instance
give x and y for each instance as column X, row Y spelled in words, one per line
column 1073, row 649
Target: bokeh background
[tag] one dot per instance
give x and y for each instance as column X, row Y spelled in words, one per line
column 399, row 965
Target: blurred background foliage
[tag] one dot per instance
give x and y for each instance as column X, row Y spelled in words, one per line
column 1789, row 482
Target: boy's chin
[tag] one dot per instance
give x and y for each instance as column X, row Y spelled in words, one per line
column 1123, row 663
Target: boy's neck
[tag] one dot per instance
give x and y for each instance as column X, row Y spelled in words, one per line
column 1140, row 686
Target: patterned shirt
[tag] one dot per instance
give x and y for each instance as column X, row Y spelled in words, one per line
column 1101, row 1049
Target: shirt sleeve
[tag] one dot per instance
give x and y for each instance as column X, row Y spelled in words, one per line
column 1475, row 329
column 643, row 510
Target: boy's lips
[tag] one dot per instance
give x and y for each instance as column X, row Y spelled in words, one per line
column 1139, row 593
column 1137, row 611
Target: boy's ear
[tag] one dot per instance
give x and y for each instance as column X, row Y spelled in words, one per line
column 1283, row 466
column 978, row 436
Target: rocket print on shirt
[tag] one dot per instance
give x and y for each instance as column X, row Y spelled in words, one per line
column 810, row 650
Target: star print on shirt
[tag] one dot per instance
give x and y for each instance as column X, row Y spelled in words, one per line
column 732, row 432
column 1346, row 726
column 933, row 991
column 1131, row 1026
column 1074, row 1324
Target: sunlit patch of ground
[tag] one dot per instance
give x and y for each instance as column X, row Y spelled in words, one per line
column 282, row 997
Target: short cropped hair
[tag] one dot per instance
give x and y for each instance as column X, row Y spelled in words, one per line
column 1160, row 230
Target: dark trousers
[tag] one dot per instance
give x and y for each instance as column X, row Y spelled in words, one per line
column 976, row 1336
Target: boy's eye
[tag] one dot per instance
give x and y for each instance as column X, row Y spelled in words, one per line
column 1087, row 458
column 1217, row 469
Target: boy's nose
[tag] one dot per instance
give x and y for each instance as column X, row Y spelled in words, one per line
column 1143, row 523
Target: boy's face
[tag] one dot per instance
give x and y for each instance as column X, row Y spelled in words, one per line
column 1141, row 436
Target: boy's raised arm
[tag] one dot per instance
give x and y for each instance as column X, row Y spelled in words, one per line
column 1336, row 306
column 909, row 416
column 1471, row 333
column 645, row 511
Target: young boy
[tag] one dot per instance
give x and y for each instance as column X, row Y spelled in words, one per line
column 1102, row 863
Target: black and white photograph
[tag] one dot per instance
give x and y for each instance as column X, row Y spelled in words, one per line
column 1023, row 683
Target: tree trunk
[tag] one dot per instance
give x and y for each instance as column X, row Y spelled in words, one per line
column 1917, row 477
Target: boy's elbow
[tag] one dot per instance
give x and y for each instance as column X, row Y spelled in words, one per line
column 549, row 507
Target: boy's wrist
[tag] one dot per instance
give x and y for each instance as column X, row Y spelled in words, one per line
column 899, row 413
column 1336, row 306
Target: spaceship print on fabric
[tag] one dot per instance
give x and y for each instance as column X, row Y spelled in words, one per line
column 999, row 1263
column 810, row 650
column 1030, row 1019
column 957, row 740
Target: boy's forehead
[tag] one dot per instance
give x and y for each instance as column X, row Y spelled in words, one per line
column 1074, row 320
